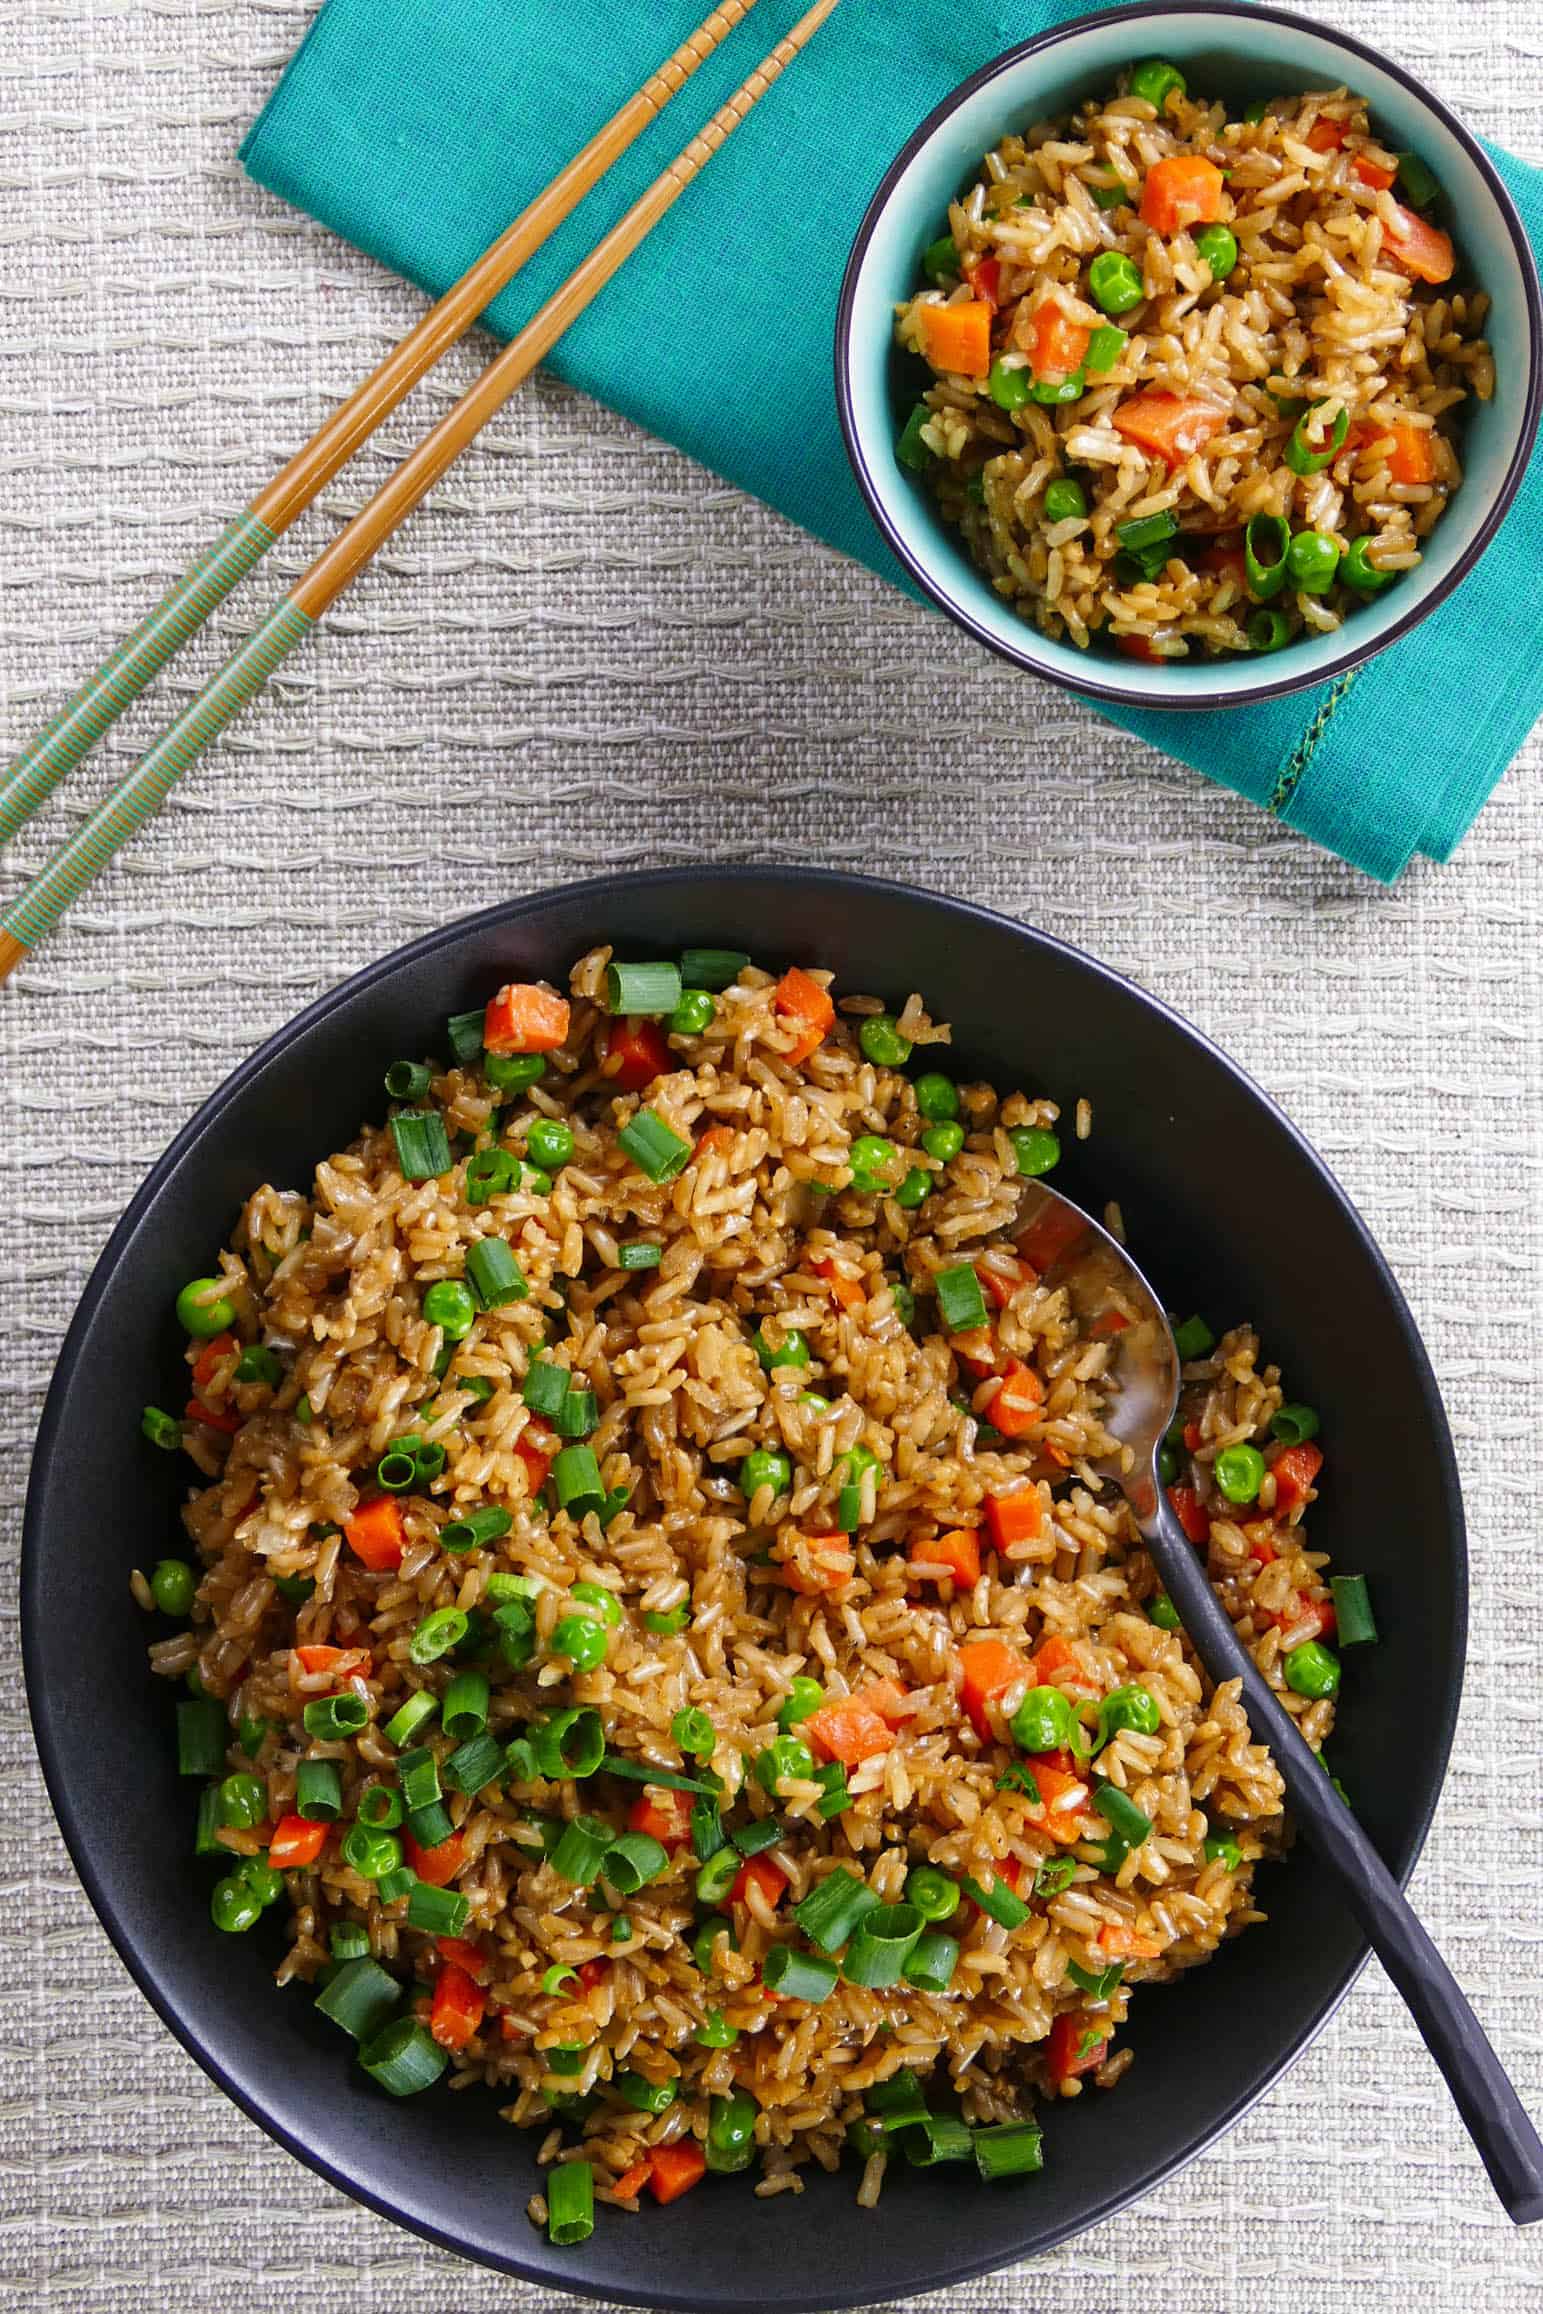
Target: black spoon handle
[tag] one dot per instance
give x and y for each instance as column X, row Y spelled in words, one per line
column 1492, row 2112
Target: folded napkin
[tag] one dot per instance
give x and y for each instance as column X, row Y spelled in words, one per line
column 418, row 128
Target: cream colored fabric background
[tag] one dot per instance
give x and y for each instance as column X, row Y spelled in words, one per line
column 588, row 654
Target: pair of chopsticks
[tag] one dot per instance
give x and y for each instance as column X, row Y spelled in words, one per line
column 97, row 705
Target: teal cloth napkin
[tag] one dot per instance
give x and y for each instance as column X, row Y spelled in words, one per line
column 418, row 128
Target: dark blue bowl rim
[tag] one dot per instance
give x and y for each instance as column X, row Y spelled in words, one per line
column 1243, row 12
column 966, row 915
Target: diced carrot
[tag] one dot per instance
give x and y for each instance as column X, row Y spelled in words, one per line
column 1227, row 562
column 1171, row 426
column 1192, row 1514
column 1373, row 173
column 1018, row 1517
column 594, row 1972
column 716, row 1137
column 1050, row 1236
column 956, row 339
column 989, row 1667
column 1015, row 1408
column 958, row 1551
column 525, row 1017
column 800, row 998
column 341, row 1662
column 631, row 2182
column 469, row 1957
column 984, row 275
column 1184, row 190
column 635, row 1053
column 847, row 1729
column 1328, row 1618
column 759, row 1872
column 537, row 1448
column 1076, row 2044
column 664, row 1814
column 376, row 1535
column 1122, row 1943
column 1327, row 136
column 1418, row 248
column 212, row 1418
column 1057, row 1664
column 1261, row 1541
column 207, row 1362
column 295, row 1842
column 888, row 1698
column 1063, row 1796
column 1412, row 458
column 1108, row 1322
column 1057, row 345
column 1296, row 1474
column 1002, row 1276
column 1139, row 647
column 812, row 1564
column 675, row 2169
column 436, row 1865
column 846, row 1291
column 976, row 1351
column 458, row 2007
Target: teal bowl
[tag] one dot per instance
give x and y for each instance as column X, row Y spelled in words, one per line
column 1240, row 53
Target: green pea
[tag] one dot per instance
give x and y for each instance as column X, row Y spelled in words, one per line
column 693, row 1014
column 1312, row 562
column 243, row 1800
column 369, row 1853
column 1054, row 391
column 250, row 1733
column 730, row 2132
column 233, row 1907
column 448, row 1305
column 695, row 1734
column 1042, row 1722
column 1114, row 282
column 940, row 260
column 764, row 1466
column 1156, row 80
column 708, row 1934
column 943, row 1142
column 533, row 1179
column 914, row 1190
column 1064, row 499
column 787, row 1760
column 872, row 1160
column 791, row 1350
column 804, row 1696
column 203, row 1311
column 1217, row 244
column 172, row 1585
column 582, row 1640
column 1010, row 384
column 550, row 1143
column 513, row 1072
column 1359, row 571
column 1130, row 1707
column 1268, row 630
column 934, row 1895
column 1035, row 1149
column 1162, row 1611
column 257, row 1363
column 1192, row 1339
column 263, row 1879
column 904, row 1301
column 1238, row 1471
column 1312, row 1670
column 1223, row 1851
column 882, row 1042
column 605, row 1603
column 937, row 1096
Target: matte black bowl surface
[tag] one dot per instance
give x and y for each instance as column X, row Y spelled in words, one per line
column 1230, row 1211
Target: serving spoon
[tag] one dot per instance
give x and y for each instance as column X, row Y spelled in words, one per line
column 1099, row 1276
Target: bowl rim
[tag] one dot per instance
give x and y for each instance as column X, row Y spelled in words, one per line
column 47, row 1725
column 1421, row 603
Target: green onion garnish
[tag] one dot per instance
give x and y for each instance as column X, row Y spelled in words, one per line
column 465, row 1710
column 1193, row 1339
column 546, row 1386
column 362, row 1997
column 751, row 1839
column 653, row 1147
column 409, row 1080
column 718, row 1876
column 379, row 1806
column 392, row 1885
column 707, row 1833
column 640, row 990
column 1148, row 530
column 492, row 1272
column 441, row 1629
column 798, row 1976
column 414, row 1714
column 934, row 1958
column 998, row 1902
column 581, row 1850
column 318, row 1791
column 1121, row 1813
column 475, row 1531
column 404, row 2057
column 837, row 1797
column 576, row 1475
column 881, row 1944
column 202, row 1733
column 162, row 1429
column 936, row 2136
column 1097, row 1983
column 437, row 1911
column 465, row 1031
column 571, row 1743
column 418, row 1774
column 1353, row 1610
column 641, row 1772
column 712, row 967
column 570, row 2203
column 349, row 1940
column 430, row 1826
column 577, row 1415
column 422, row 1145
column 633, row 1860
column 640, row 1253
column 332, row 1718
column 961, row 1302
column 1008, row 2149
column 474, row 1764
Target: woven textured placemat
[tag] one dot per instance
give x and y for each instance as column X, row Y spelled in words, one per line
column 588, row 654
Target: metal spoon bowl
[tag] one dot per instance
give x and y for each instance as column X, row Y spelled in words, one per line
column 1100, row 1277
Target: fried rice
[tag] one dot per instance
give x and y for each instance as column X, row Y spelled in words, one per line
column 933, row 1545
column 1177, row 324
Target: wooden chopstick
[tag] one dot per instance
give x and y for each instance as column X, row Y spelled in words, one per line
column 292, row 618
column 75, row 730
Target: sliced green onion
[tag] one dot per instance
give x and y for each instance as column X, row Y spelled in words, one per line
column 415, row 1713
column 318, row 1791
column 431, row 1826
column 494, row 1274
column 1193, row 1339
column 754, row 1839
column 571, row 1743
column 409, row 1080
column 1162, row 1611
column 490, row 1173
column 513, row 1072
column 718, row 1876
column 546, row 1386
column 404, row 2057
column 474, row 1765
column 881, row 1944
column 392, row 1885
column 1294, row 1425
column 837, row 1796
column 1121, row 1813
column 362, row 1997
column 798, row 1976
column 162, row 1429
column 1055, row 1874
column 712, row 967
column 1417, row 182
column 641, row 991
column 1268, row 630
column 577, row 1415
column 465, row 1031
column 934, row 1895
column 695, row 1733
column 1098, row 1983
column 440, row 1630
column 1266, row 542
column 633, row 1860
column 653, row 1147
column 465, row 1710
column 638, row 1254
column 1147, row 531
column 349, row 1940
column 1300, row 454
column 1357, row 1626
column 961, row 1302
column 576, row 1475
column 1008, row 2149
column 998, row 1902
column 936, row 2137
column 910, row 450
column 208, row 1824
column 422, row 1145
column 580, row 1851
column 331, row 1718
column 379, row 1806
column 437, row 1911
column 933, row 1961
column 899, row 2101
column 418, row 1774
column 707, row 1833
column 202, row 1734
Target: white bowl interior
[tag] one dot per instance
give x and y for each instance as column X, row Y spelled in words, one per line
column 1239, row 57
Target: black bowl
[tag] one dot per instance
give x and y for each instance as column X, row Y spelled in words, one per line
column 1231, row 1212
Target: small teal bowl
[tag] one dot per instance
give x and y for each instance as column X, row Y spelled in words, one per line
column 1241, row 53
